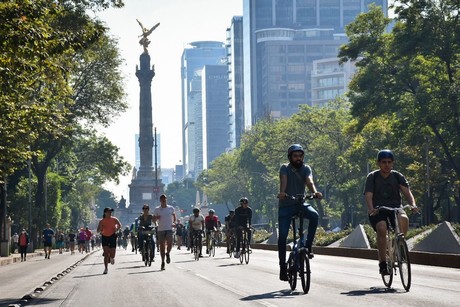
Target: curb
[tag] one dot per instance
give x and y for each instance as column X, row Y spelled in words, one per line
column 424, row 258
column 39, row 289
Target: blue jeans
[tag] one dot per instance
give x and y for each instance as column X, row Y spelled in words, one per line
column 285, row 215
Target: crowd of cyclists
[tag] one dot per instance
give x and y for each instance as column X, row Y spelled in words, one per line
column 205, row 227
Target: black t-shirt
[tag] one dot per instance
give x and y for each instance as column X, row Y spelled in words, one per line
column 386, row 191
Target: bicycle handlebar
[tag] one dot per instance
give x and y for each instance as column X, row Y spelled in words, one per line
column 301, row 197
column 399, row 209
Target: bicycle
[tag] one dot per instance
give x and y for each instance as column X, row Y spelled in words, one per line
column 298, row 261
column 197, row 241
column 232, row 243
column 147, row 248
column 397, row 255
column 245, row 250
column 212, row 243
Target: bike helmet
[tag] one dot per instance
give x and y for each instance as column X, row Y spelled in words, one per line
column 231, row 211
column 211, row 211
column 244, row 200
column 295, row 147
column 385, row 154
column 196, row 210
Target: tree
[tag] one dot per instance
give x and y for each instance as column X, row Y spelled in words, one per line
column 417, row 64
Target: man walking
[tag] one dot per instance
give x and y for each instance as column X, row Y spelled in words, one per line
column 47, row 236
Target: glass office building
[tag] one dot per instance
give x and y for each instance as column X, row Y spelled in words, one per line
column 282, row 39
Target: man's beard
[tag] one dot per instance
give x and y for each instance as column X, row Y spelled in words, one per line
column 297, row 164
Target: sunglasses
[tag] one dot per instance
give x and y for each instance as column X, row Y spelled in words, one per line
column 145, row 208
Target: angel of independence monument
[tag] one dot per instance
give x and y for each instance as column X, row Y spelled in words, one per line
column 145, row 186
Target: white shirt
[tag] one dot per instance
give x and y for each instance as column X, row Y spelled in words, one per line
column 166, row 217
column 196, row 221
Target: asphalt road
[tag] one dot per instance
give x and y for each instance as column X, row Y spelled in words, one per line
column 218, row 281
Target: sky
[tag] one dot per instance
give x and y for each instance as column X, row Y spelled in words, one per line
column 181, row 22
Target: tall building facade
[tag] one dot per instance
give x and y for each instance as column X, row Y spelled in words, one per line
column 193, row 60
column 215, row 113
column 282, row 39
column 234, row 45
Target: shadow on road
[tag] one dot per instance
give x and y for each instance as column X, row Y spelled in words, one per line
column 269, row 295
column 372, row 290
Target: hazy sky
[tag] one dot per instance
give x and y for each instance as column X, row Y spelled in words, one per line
column 181, row 22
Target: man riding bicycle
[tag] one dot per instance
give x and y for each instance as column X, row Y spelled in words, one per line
column 243, row 221
column 294, row 177
column 230, row 224
column 211, row 223
column 196, row 226
column 145, row 220
column 383, row 187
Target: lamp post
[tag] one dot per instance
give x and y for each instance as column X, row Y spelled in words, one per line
column 30, row 247
column 156, row 165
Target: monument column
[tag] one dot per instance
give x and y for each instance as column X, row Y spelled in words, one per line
column 144, row 185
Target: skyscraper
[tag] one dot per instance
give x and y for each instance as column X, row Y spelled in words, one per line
column 193, row 60
column 234, row 45
column 282, row 38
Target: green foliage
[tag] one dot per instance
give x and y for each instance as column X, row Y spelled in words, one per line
column 260, row 235
column 371, row 235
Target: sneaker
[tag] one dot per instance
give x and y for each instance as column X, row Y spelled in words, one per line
column 162, row 266
column 310, row 255
column 237, row 255
column 112, row 260
column 168, row 259
column 228, row 251
column 283, row 273
column 133, row 250
column 207, row 251
column 383, row 268
column 200, row 255
column 105, row 271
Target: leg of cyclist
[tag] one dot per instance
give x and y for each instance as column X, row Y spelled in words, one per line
column 239, row 236
column 284, row 222
column 208, row 236
column 312, row 216
column 403, row 221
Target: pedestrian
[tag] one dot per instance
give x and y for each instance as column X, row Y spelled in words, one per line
column 47, row 236
column 108, row 227
column 72, row 237
column 166, row 218
column 89, row 234
column 23, row 243
column 81, row 240
column 60, row 240
column 15, row 239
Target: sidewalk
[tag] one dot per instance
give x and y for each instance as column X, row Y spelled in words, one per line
column 16, row 257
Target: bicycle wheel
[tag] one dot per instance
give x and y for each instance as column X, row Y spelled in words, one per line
column 292, row 271
column 196, row 250
column 304, row 271
column 246, row 251
column 150, row 254
column 388, row 279
column 212, row 252
column 403, row 263
column 145, row 252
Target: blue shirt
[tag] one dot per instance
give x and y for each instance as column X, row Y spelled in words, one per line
column 296, row 178
column 48, row 235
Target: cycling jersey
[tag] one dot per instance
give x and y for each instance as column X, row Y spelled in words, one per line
column 196, row 222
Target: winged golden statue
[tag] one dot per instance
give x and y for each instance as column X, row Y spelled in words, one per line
column 144, row 41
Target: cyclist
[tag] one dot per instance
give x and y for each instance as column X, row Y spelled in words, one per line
column 383, row 187
column 125, row 237
column 294, row 177
column 230, row 224
column 145, row 220
column 211, row 222
column 196, row 225
column 133, row 231
column 243, row 221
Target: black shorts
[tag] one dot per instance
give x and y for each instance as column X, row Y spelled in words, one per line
column 47, row 244
column 110, row 242
column 383, row 215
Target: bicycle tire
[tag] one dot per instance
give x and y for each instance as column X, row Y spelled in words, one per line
column 212, row 252
column 403, row 263
column 388, row 279
column 196, row 249
column 292, row 271
column 304, row 271
column 246, row 251
column 151, row 254
column 145, row 253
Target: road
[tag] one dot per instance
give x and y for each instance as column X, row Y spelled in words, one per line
column 219, row 281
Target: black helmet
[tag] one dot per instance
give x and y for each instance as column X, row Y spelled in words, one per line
column 244, row 200
column 295, row 147
column 385, row 154
column 196, row 210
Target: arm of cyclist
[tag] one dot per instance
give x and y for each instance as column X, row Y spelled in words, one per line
column 410, row 198
column 312, row 188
